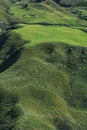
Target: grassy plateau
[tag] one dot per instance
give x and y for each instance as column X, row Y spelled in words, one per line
column 39, row 33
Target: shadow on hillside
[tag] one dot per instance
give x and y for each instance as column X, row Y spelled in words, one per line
column 11, row 45
column 3, row 38
column 10, row 61
column 62, row 124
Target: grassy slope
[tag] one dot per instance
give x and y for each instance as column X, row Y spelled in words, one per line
column 73, row 2
column 43, row 85
column 37, row 34
column 3, row 6
column 43, row 12
column 50, row 82
column 49, row 12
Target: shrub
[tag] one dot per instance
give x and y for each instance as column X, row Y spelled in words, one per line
column 48, row 48
column 14, row 39
column 9, row 111
column 62, row 124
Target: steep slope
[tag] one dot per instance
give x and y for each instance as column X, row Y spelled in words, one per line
column 77, row 7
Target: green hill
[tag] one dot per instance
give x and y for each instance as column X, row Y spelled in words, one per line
column 43, row 12
column 43, row 66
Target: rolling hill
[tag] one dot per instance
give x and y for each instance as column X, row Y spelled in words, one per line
column 43, row 65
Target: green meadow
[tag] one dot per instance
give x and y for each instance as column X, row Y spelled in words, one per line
column 43, row 13
column 37, row 34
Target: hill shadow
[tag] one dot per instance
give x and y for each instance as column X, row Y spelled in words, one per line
column 10, row 60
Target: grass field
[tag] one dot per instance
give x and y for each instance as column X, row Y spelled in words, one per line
column 47, row 91
column 43, row 13
column 38, row 33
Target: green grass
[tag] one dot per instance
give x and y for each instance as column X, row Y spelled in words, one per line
column 45, row 67
column 43, row 87
column 49, row 13
column 3, row 6
column 37, row 34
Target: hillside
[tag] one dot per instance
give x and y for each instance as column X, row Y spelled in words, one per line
column 71, row 2
column 43, row 65
column 3, row 5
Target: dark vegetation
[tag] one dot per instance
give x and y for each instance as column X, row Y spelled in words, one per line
column 11, row 45
column 80, row 12
column 76, row 57
column 70, row 3
column 74, row 60
column 37, row 0
column 9, row 111
column 62, row 124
